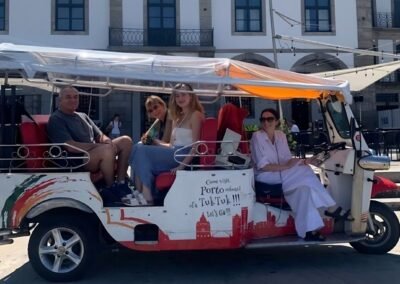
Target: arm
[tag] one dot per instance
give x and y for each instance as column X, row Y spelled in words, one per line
column 146, row 138
column 260, row 154
column 59, row 133
column 163, row 143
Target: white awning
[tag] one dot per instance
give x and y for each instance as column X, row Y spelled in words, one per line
column 362, row 77
column 158, row 74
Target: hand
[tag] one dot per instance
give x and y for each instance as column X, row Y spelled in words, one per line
column 307, row 161
column 178, row 168
column 147, row 140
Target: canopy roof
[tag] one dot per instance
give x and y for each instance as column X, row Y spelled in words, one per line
column 156, row 73
column 364, row 76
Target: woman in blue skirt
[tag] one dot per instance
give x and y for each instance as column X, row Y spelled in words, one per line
column 187, row 115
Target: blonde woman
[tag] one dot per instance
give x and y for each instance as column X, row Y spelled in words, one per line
column 187, row 115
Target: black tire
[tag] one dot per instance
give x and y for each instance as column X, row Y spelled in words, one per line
column 387, row 231
column 62, row 250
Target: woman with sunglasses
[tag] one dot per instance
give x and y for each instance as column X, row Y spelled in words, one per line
column 303, row 191
column 160, row 129
column 187, row 115
column 162, row 126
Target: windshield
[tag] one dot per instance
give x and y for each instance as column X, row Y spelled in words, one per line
column 339, row 118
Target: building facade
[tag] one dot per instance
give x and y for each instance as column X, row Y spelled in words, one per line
column 379, row 30
column 238, row 29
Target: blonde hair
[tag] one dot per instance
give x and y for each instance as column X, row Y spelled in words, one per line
column 174, row 109
column 153, row 100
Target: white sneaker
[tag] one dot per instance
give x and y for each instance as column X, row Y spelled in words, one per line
column 141, row 199
column 130, row 201
column 139, row 196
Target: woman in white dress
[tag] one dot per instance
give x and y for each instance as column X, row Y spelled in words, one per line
column 303, row 191
column 187, row 115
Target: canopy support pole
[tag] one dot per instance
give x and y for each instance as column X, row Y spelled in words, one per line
column 271, row 12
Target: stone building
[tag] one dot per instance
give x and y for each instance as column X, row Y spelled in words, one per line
column 379, row 30
column 239, row 29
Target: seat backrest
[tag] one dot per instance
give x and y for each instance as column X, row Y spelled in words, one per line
column 34, row 132
column 232, row 117
column 208, row 133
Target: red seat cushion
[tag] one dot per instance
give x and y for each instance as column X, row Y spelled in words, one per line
column 164, row 181
column 231, row 116
column 35, row 133
column 208, row 134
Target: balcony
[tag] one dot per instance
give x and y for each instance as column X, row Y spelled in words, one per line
column 161, row 39
column 386, row 20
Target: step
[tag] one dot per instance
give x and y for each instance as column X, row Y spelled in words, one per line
column 5, row 241
column 296, row 241
column 5, row 232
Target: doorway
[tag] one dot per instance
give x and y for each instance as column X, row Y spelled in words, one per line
column 301, row 113
column 161, row 19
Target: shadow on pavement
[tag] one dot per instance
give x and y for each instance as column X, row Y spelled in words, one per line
column 317, row 264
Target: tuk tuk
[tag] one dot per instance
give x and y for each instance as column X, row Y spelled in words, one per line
column 212, row 204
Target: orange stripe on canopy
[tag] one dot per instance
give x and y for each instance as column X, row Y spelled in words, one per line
column 243, row 70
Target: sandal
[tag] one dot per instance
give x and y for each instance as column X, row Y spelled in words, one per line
column 337, row 216
column 313, row 236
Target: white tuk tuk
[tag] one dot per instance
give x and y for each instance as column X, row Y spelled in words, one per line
column 210, row 205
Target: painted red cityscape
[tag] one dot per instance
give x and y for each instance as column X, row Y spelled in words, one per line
column 242, row 231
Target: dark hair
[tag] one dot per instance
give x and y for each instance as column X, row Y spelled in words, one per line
column 270, row 110
column 115, row 115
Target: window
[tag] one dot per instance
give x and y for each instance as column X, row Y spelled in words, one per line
column 162, row 20
column 339, row 118
column 3, row 16
column 385, row 101
column 70, row 15
column 248, row 16
column 317, row 16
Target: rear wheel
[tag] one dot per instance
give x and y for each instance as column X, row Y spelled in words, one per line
column 62, row 250
column 385, row 232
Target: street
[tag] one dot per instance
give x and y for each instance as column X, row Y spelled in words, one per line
column 317, row 264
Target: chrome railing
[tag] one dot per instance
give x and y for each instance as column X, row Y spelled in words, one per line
column 41, row 157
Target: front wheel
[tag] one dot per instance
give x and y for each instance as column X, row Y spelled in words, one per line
column 385, row 233
column 61, row 250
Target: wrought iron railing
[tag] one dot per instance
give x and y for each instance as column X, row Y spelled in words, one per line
column 161, row 37
column 382, row 141
column 386, row 20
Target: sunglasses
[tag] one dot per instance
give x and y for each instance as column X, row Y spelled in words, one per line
column 154, row 108
column 269, row 119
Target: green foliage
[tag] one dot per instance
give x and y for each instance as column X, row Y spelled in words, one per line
column 285, row 129
column 251, row 127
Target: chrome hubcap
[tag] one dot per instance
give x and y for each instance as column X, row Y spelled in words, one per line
column 61, row 250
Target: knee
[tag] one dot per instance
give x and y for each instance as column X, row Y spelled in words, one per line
column 125, row 143
column 107, row 151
